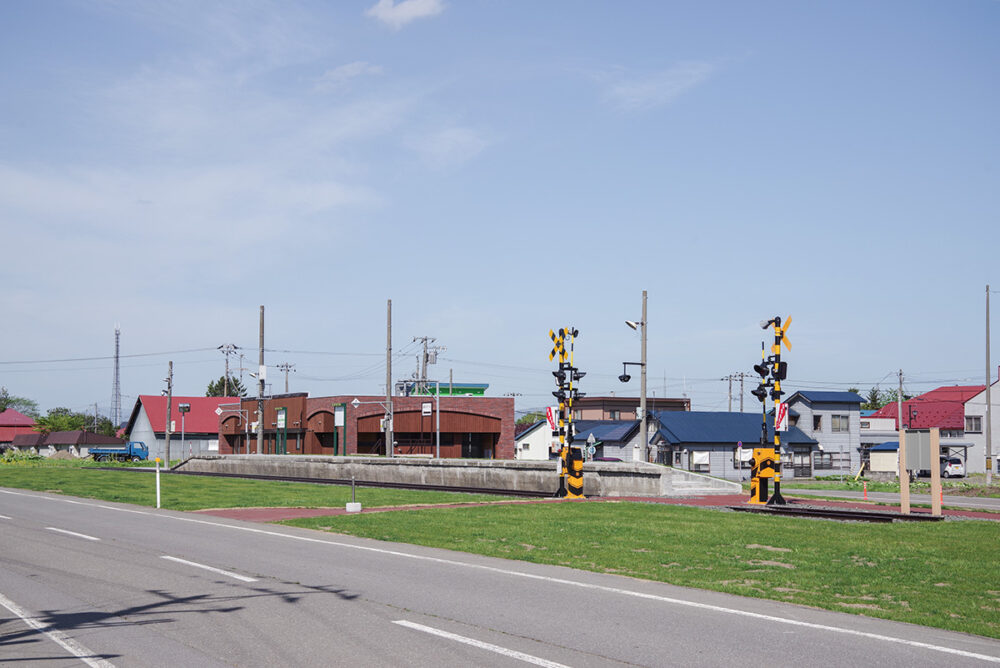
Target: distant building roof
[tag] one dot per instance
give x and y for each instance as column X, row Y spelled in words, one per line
column 605, row 430
column 722, row 428
column 13, row 423
column 943, row 407
column 815, row 397
column 79, row 437
column 888, row 446
column 200, row 420
column 12, row 418
column 525, row 429
column 75, row 437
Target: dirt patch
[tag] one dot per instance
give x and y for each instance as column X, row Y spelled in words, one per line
column 770, row 548
column 859, row 606
column 764, row 562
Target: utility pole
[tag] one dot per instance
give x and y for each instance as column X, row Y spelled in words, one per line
column 904, row 472
column 988, row 414
column 170, row 399
column 227, row 350
column 643, row 425
column 730, row 379
column 116, row 388
column 388, row 379
column 742, row 375
column 261, row 377
column 286, row 367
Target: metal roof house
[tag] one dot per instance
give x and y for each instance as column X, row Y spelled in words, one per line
column 148, row 423
column 707, row 442
column 612, row 438
column 834, row 420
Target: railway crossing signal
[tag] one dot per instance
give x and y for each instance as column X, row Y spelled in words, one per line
column 767, row 458
column 571, row 468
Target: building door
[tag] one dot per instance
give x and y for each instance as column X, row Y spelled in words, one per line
column 801, row 463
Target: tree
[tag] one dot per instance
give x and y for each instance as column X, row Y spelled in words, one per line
column 63, row 419
column 217, row 388
column 19, row 404
column 531, row 418
column 874, row 400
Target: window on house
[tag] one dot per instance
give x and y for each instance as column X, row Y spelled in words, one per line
column 614, row 415
column 744, row 454
column 817, row 423
column 974, row 424
column 865, row 424
column 700, row 462
column 822, row 460
column 839, row 423
column 577, row 414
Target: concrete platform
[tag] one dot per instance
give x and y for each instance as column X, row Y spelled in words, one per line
column 606, row 479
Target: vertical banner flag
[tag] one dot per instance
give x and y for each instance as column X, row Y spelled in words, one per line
column 551, row 414
column 780, row 416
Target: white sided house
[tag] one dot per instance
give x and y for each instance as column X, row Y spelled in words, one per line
column 833, row 419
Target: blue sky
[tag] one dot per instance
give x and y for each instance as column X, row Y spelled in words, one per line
column 496, row 169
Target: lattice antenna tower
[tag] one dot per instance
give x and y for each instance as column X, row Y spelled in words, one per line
column 116, row 387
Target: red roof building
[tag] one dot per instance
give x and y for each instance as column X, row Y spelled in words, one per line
column 13, row 423
column 943, row 408
column 148, row 423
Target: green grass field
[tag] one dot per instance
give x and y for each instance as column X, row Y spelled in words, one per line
column 182, row 492
column 943, row 574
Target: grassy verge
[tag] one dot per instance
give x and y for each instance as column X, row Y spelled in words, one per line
column 942, row 574
column 972, row 487
column 196, row 492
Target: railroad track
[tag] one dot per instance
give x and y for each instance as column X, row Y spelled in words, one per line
column 837, row 514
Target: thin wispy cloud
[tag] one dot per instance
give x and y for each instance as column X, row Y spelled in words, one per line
column 398, row 14
column 450, row 146
column 338, row 77
column 657, row 89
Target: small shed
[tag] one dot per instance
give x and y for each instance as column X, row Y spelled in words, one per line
column 884, row 458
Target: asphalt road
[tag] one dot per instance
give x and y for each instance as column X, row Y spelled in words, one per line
column 93, row 583
column 971, row 503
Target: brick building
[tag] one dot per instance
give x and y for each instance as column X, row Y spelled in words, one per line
column 471, row 427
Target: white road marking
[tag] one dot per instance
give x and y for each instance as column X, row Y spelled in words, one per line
column 72, row 533
column 4, row 517
column 521, row 656
column 236, row 576
column 57, row 636
column 571, row 583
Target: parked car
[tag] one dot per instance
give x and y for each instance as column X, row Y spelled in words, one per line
column 952, row 467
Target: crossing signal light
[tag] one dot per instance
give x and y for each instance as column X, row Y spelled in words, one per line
column 578, row 375
column 761, row 369
column 782, row 371
column 760, row 392
column 560, row 376
column 560, row 395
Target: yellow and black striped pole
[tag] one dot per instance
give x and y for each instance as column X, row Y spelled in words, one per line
column 767, row 458
column 571, row 459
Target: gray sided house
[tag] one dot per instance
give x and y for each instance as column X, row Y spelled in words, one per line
column 615, row 439
column 707, row 442
column 834, row 420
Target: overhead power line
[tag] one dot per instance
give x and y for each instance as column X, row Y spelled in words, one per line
column 106, row 357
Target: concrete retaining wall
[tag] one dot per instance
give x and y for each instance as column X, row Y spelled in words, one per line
column 599, row 478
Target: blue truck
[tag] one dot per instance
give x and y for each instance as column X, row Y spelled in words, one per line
column 133, row 451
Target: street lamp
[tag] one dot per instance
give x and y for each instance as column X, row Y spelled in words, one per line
column 641, row 327
column 183, row 409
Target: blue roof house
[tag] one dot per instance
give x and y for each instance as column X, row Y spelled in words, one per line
column 707, row 442
column 834, row 420
column 612, row 438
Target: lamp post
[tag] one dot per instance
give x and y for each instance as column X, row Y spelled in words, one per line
column 641, row 326
column 183, row 409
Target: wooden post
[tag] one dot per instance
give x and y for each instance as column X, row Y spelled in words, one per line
column 936, row 471
column 904, row 474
